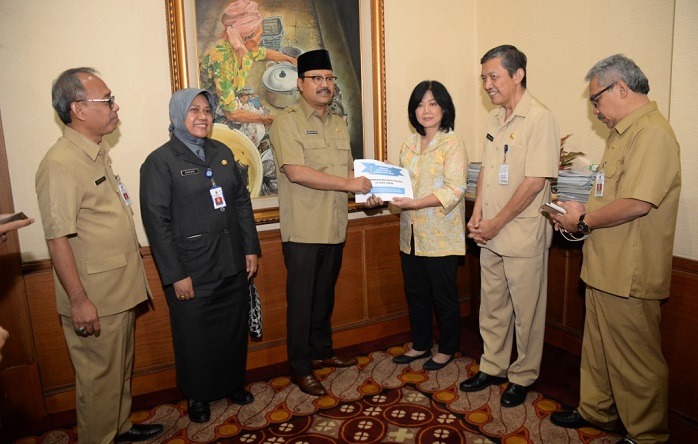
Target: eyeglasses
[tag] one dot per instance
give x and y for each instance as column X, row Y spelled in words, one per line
column 595, row 98
column 318, row 79
column 110, row 101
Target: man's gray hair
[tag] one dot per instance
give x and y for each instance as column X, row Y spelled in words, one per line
column 68, row 88
column 619, row 67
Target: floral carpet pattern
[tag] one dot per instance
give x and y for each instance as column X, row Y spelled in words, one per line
column 376, row 401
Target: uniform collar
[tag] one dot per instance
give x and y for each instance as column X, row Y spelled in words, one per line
column 89, row 147
column 521, row 109
column 631, row 118
column 308, row 110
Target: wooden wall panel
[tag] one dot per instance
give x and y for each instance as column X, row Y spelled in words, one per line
column 385, row 292
column 349, row 292
column 679, row 339
column 52, row 356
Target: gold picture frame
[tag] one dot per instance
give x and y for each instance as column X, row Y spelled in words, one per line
column 266, row 209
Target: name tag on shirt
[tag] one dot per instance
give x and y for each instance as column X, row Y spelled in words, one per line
column 189, row 172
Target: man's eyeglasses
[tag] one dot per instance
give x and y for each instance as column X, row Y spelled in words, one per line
column 595, row 98
column 318, row 79
column 110, row 101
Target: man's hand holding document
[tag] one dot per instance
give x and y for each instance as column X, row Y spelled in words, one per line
column 388, row 180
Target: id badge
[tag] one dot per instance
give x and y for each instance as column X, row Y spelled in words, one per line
column 124, row 194
column 504, row 174
column 217, row 197
column 600, row 179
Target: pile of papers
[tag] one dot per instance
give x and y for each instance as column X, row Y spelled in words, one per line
column 574, row 185
column 471, row 178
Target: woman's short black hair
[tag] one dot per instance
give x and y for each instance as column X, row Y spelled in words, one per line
column 442, row 97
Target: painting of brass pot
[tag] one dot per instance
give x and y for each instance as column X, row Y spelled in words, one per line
column 246, row 155
column 280, row 84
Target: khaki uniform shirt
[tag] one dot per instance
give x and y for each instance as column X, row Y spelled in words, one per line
column 641, row 161
column 79, row 198
column 533, row 141
column 299, row 136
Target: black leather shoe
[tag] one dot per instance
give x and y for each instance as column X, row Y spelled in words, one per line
column 241, row 397
column 140, row 432
column 570, row 419
column 199, row 411
column 432, row 365
column 480, row 381
column 626, row 440
column 404, row 359
column 514, row 395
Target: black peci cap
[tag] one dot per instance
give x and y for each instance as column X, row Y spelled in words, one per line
column 317, row 59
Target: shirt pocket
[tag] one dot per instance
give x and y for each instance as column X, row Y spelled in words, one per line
column 106, row 263
column 342, row 151
column 316, row 153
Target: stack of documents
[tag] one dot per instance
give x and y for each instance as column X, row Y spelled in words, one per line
column 574, row 185
column 471, row 178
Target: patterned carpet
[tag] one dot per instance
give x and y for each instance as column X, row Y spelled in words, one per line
column 374, row 401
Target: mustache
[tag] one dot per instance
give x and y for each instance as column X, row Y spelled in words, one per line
column 323, row 90
column 600, row 116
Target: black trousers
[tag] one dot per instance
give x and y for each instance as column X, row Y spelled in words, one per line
column 312, row 271
column 430, row 287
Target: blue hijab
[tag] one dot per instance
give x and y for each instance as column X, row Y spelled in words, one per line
column 179, row 106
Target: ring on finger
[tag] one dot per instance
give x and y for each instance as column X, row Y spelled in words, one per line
column 80, row 330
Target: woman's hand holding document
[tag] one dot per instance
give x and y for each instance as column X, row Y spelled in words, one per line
column 388, row 180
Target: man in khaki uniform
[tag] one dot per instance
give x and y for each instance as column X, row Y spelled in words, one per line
column 99, row 275
column 521, row 154
column 315, row 173
column 631, row 220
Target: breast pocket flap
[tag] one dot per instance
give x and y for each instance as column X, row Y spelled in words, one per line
column 105, row 263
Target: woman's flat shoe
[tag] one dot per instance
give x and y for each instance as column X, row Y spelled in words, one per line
column 199, row 411
column 404, row 359
column 432, row 365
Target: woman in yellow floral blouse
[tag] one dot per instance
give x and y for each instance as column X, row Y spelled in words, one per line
column 432, row 225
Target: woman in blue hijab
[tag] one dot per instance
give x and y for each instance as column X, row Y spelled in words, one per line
column 197, row 213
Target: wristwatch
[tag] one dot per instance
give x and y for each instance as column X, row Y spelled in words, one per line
column 582, row 226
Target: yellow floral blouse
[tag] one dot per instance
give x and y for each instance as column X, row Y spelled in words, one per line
column 440, row 170
column 220, row 74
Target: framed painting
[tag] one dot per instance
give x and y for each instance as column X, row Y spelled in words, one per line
column 249, row 95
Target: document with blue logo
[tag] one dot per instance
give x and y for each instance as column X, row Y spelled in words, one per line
column 388, row 180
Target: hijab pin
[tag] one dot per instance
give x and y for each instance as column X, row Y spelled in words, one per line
column 224, row 162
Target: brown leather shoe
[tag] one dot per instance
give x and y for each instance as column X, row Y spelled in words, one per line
column 310, row 385
column 335, row 361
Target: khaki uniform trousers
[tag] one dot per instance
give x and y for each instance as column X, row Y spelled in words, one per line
column 103, row 368
column 513, row 300
column 623, row 371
